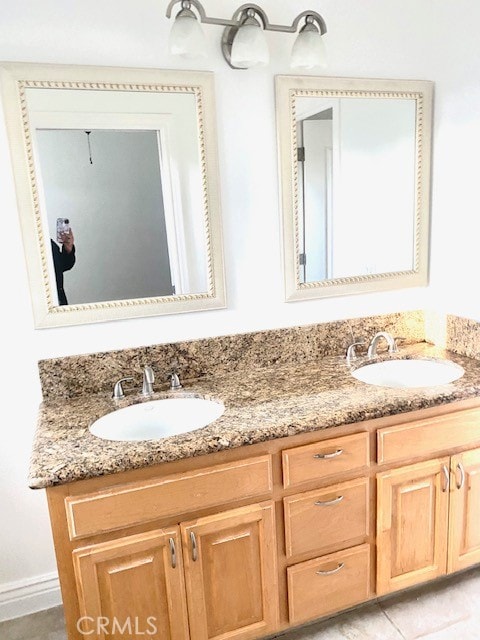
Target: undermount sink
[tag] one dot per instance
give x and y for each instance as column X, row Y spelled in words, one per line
column 157, row 419
column 409, row 373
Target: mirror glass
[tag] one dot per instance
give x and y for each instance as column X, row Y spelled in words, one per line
column 120, row 173
column 117, row 184
column 354, row 167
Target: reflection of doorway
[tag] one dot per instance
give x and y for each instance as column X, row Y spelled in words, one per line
column 108, row 183
column 315, row 170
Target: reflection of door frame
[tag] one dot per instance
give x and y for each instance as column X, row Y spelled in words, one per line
column 329, row 210
column 172, row 206
column 302, row 266
column 171, row 192
column 304, row 112
column 44, row 223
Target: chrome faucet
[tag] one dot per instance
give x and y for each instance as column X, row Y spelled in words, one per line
column 118, row 393
column 148, row 380
column 351, row 350
column 175, row 383
column 372, row 348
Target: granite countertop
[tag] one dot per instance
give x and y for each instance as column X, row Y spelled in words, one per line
column 260, row 404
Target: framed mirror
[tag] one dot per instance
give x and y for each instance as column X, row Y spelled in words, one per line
column 117, row 187
column 354, row 158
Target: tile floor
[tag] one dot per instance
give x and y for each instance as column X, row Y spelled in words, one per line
column 446, row 610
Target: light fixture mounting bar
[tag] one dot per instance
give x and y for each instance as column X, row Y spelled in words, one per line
column 240, row 14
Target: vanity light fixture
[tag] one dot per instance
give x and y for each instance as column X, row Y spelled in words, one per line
column 243, row 42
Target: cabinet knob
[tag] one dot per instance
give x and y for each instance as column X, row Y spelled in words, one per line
column 460, row 468
column 328, row 503
column 173, row 553
column 446, row 474
column 328, row 456
column 193, row 540
column 332, row 571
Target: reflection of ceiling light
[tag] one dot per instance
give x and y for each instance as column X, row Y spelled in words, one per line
column 243, row 43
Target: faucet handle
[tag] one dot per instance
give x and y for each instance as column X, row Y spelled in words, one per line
column 175, row 383
column 396, row 340
column 118, row 393
column 351, row 352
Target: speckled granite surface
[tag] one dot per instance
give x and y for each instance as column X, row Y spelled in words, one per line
column 261, row 404
column 463, row 336
column 86, row 374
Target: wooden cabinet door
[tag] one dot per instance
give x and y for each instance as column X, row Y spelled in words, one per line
column 412, row 524
column 133, row 586
column 230, row 574
column 464, row 534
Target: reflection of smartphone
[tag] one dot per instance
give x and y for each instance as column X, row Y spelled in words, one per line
column 63, row 226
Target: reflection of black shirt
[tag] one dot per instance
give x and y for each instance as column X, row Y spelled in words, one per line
column 62, row 261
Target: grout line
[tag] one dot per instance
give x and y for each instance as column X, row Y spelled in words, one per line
column 392, row 623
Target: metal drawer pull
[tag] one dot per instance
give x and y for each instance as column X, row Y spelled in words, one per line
column 462, row 476
column 328, row 503
column 193, row 540
column 446, row 473
column 332, row 571
column 173, row 552
column 327, row 456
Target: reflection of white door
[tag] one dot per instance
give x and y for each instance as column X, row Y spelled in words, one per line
column 317, row 167
column 172, row 205
column 329, row 209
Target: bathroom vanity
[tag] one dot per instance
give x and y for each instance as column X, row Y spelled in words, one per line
column 314, row 492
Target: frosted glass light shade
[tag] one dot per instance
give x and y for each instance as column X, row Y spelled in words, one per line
column 250, row 48
column 187, row 38
column 308, row 51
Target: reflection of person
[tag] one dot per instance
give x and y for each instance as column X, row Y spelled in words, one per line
column 63, row 260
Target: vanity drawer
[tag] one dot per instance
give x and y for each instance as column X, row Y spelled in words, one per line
column 328, row 584
column 429, row 436
column 177, row 494
column 324, row 459
column 319, row 520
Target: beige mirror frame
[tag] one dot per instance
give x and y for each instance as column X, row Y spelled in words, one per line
column 16, row 78
column 288, row 89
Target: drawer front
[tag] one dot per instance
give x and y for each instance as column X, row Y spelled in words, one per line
column 328, row 584
column 429, row 436
column 180, row 493
column 324, row 459
column 323, row 519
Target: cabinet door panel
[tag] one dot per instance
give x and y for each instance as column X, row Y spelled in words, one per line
column 412, row 524
column 132, row 586
column 464, row 540
column 230, row 574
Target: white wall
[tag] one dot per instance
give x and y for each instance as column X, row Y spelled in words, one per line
column 422, row 39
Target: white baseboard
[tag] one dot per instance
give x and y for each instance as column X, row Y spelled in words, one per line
column 28, row 596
